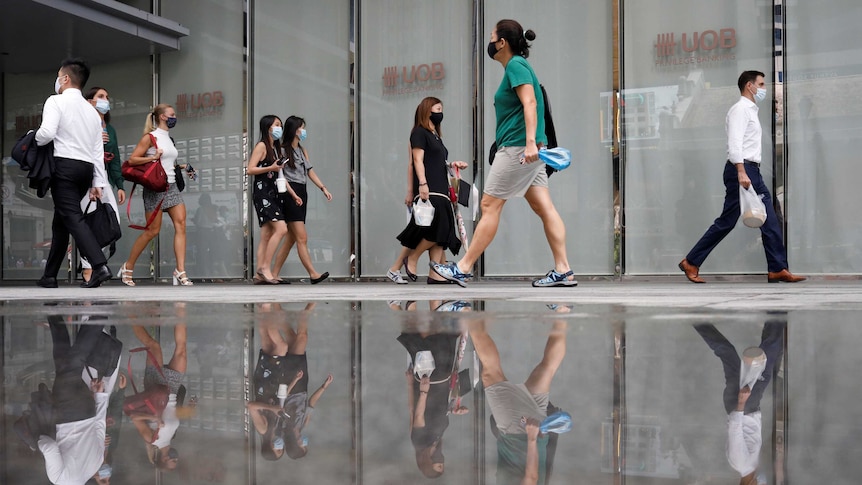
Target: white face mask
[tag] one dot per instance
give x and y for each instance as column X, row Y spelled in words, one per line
column 760, row 95
column 103, row 105
column 57, row 85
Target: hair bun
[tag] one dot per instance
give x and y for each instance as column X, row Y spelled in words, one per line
column 530, row 35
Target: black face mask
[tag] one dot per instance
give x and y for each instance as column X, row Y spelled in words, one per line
column 492, row 49
column 436, row 118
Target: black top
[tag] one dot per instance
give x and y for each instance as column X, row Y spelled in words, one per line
column 435, row 158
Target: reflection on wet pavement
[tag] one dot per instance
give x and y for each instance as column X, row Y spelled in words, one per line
column 460, row 392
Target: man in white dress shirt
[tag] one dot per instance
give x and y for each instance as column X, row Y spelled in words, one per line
column 744, row 421
column 80, row 406
column 743, row 169
column 76, row 130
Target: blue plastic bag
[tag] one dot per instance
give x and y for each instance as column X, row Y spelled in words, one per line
column 557, row 158
column 559, row 422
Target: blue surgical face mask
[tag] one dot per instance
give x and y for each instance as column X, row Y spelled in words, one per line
column 302, row 134
column 172, row 122
column 277, row 131
column 105, row 471
column 278, row 444
column 760, row 95
column 103, row 105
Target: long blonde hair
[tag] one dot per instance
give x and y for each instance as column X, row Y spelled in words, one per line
column 151, row 123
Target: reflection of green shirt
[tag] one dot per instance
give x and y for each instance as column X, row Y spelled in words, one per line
column 512, row 458
column 113, row 168
column 511, row 127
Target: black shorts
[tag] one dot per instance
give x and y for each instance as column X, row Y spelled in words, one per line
column 293, row 212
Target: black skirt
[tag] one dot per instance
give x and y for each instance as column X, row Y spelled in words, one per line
column 442, row 231
column 293, row 212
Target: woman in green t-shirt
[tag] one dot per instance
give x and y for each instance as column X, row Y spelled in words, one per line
column 520, row 132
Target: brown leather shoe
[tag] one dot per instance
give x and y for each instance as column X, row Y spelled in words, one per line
column 690, row 271
column 785, row 276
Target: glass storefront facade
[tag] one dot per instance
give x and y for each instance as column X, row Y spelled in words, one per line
column 639, row 94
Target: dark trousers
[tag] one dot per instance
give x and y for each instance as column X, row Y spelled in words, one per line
column 773, row 244
column 73, row 399
column 70, row 182
column 772, row 344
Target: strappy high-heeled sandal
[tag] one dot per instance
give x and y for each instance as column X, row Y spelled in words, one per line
column 125, row 276
column 180, row 279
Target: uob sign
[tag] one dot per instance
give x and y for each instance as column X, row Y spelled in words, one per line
column 695, row 47
column 413, row 79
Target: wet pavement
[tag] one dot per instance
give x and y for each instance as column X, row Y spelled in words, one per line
column 647, row 371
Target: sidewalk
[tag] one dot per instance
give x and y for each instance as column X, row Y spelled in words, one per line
column 820, row 295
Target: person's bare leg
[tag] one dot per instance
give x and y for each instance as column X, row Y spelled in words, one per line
column 277, row 231
column 486, row 349
column 265, row 237
column 485, row 231
column 540, row 201
column 300, row 235
column 149, row 342
column 297, row 341
column 399, row 260
column 283, row 251
column 555, row 349
column 413, row 257
column 271, row 340
column 177, row 214
column 179, row 360
column 144, row 239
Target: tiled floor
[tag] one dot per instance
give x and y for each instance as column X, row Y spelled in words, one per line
column 632, row 363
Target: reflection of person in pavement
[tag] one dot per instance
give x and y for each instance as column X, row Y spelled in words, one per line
column 429, row 400
column 80, row 407
column 518, row 409
column 298, row 406
column 744, row 424
column 158, row 431
column 267, row 413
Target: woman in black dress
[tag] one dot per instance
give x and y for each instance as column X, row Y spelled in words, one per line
column 264, row 163
column 431, row 182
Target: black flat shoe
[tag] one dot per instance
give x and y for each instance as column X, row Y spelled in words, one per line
column 432, row 281
column 320, row 278
column 99, row 276
column 47, row 282
column 410, row 274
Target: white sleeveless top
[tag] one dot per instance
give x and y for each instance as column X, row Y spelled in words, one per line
column 169, row 152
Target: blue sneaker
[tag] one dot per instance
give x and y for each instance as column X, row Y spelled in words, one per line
column 451, row 272
column 454, row 306
column 555, row 279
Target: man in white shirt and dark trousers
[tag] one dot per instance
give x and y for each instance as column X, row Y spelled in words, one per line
column 744, row 423
column 743, row 168
column 76, row 130
column 80, row 407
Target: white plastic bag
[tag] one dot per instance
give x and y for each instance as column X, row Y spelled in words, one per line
column 424, row 363
column 423, row 212
column 751, row 207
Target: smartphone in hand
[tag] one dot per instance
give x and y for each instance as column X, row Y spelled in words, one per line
column 190, row 171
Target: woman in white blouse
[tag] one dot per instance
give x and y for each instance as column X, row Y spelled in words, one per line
column 156, row 144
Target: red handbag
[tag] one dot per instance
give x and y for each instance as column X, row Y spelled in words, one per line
column 150, row 401
column 150, row 175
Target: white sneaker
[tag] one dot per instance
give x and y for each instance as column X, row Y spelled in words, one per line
column 396, row 277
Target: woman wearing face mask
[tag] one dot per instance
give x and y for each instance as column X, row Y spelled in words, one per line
column 519, row 107
column 98, row 97
column 298, row 171
column 159, row 121
column 431, row 182
column 265, row 164
column 266, row 409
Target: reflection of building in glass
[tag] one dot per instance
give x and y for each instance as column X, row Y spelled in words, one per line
column 647, row 453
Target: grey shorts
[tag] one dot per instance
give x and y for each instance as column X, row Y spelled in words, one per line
column 172, row 197
column 510, row 178
column 509, row 402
